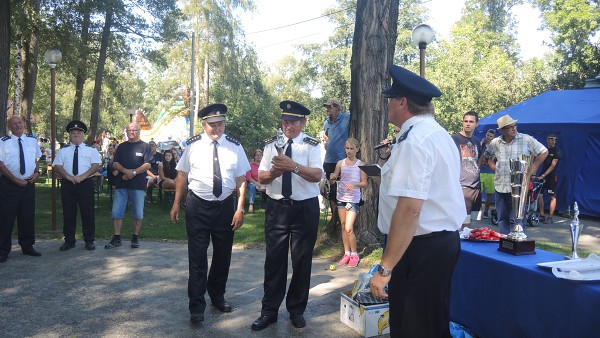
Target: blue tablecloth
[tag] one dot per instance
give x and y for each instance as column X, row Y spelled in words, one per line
column 495, row 294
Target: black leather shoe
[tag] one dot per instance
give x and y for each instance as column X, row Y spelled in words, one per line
column 32, row 252
column 263, row 321
column 66, row 246
column 89, row 246
column 3, row 258
column 196, row 317
column 298, row 321
column 222, row 306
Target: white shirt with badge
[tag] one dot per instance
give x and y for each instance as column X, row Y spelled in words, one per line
column 303, row 153
column 424, row 165
column 9, row 154
column 86, row 157
column 197, row 161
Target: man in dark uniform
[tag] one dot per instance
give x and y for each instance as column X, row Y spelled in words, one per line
column 76, row 163
column 18, row 164
column 421, row 207
column 212, row 166
column 291, row 216
column 548, row 173
column 132, row 159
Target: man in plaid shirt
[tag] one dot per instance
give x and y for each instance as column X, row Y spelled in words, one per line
column 510, row 144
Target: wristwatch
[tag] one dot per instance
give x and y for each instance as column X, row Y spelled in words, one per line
column 383, row 271
column 242, row 210
column 134, row 173
column 296, row 170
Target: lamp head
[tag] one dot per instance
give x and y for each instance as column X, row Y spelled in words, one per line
column 422, row 35
column 52, row 57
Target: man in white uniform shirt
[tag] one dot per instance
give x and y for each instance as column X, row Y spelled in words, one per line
column 76, row 163
column 291, row 216
column 212, row 166
column 18, row 164
column 421, row 208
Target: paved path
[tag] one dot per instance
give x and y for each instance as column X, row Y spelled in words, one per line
column 142, row 292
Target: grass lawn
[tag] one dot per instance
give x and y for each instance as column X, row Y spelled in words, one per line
column 158, row 226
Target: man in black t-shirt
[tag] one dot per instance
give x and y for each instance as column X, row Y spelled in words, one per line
column 132, row 159
column 548, row 173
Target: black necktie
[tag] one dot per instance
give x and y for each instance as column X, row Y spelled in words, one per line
column 217, row 180
column 76, row 161
column 21, row 158
column 286, row 188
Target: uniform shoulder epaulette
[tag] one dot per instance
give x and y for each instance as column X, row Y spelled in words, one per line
column 270, row 139
column 5, row 138
column 404, row 135
column 193, row 139
column 67, row 146
column 87, row 145
column 311, row 140
column 30, row 135
column 232, row 140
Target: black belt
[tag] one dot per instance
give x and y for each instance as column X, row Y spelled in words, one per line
column 434, row 234
column 215, row 202
column 289, row 201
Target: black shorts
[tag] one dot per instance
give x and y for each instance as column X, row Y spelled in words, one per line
column 550, row 185
column 329, row 168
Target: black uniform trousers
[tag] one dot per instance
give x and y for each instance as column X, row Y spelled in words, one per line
column 419, row 289
column 16, row 203
column 82, row 195
column 206, row 221
column 296, row 225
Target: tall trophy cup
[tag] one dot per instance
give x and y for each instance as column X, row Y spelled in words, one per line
column 575, row 228
column 279, row 142
column 516, row 243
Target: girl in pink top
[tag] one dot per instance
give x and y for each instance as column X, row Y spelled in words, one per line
column 351, row 180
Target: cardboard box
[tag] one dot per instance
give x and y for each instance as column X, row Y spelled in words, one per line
column 369, row 321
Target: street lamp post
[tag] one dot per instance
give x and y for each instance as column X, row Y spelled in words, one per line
column 52, row 57
column 422, row 35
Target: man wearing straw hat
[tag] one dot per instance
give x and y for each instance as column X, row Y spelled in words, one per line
column 511, row 144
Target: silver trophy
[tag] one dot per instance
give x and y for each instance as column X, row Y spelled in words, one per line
column 519, row 183
column 575, row 228
column 279, row 142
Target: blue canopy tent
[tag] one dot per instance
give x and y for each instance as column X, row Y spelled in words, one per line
column 574, row 117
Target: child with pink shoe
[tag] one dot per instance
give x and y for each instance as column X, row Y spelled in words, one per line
column 351, row 180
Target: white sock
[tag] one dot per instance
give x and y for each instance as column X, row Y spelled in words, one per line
column 347, row 252
column 476, row 215
column 467, row 220
column 354, row 253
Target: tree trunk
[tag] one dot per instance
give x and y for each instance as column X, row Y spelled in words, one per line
column 30, row 64
column 4, row 62
column 81, row 64
column 16, row 107
column 99, row 74
column 375, row 33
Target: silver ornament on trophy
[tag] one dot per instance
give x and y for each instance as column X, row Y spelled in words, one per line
column 279, row 142
column 516, row 243
column 575, row 228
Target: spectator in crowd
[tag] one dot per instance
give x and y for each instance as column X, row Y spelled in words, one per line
column 152, row 173
column 469, row 149
column 215, row 165
column 76, row 163
column 351, row 180
column 291, row 216
column 336, row 134
column 511, row 144
column 132, row 160
column 421, row 207
column 324, row 181
column 18, row 165
column 167, row 171
column 254, row 185
column 549, row 175
column 486, row 173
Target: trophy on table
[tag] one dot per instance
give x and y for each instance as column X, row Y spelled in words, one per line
column 279, row 142
column 575, row 228
column 516, row 243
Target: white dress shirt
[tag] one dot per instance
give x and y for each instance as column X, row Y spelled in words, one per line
column 9, row 154
column 86, row 157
